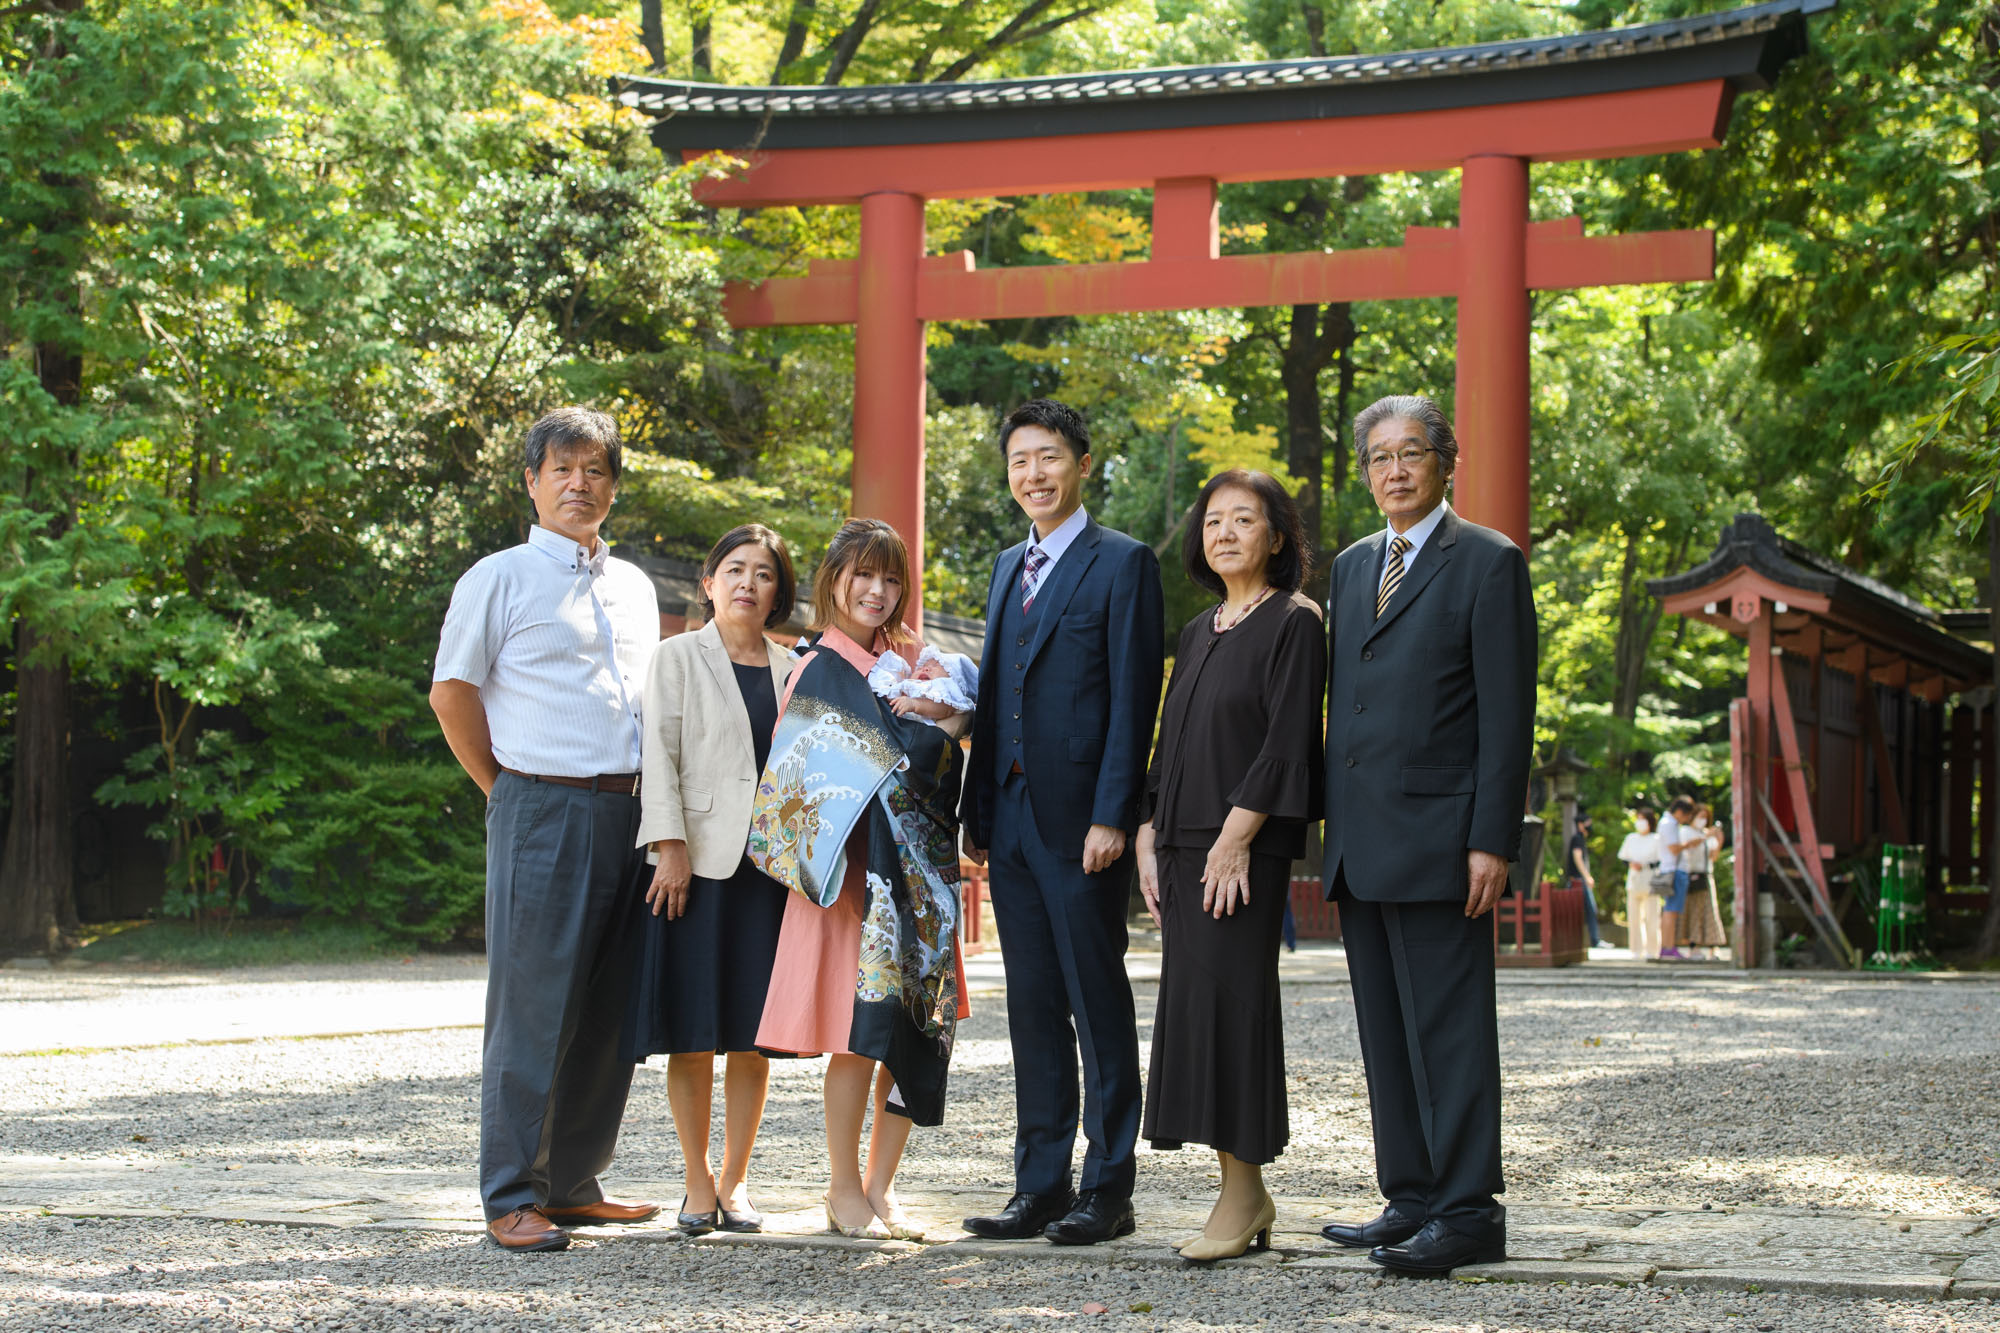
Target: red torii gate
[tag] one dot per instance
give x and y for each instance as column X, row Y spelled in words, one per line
column 1487, row 111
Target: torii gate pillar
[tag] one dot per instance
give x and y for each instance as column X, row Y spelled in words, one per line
column 1492, row 484
column 889, row 377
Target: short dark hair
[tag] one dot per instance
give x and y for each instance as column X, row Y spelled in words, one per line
column 570, row 428
column 1050, row 415
column 1645, row 812
column 744, row 535
column 861, row 543
column 1409, row 407
column 1290, row 563
column 1681, row 803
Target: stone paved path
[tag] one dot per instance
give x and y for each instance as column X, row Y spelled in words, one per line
column 1907, row 1255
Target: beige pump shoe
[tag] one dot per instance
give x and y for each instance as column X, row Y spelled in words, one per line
column 1202, row 1250
column 866, row 1231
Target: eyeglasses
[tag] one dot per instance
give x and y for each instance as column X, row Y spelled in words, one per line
column 1409, row 458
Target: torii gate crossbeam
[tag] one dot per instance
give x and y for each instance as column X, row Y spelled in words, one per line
column 1487, row 111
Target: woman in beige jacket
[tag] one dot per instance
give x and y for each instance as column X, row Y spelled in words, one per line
column 711, row 705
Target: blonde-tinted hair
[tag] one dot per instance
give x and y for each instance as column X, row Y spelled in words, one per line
column 862, row 543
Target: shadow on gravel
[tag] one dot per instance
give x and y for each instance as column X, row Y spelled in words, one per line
column 147, row 1274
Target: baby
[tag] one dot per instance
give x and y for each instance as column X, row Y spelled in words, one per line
column 938, row 685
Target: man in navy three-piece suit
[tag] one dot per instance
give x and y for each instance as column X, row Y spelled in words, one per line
column 1068, row 687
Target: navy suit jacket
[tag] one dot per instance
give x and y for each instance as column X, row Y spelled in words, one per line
column 1430, row 714
column 1089, row 693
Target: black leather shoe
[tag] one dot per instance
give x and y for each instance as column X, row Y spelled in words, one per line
column 1438, row 1249
column 1098, row 1216
column 696, row 1224
column 1023, row 1218
column 747, row 1220
column 1391, row 1228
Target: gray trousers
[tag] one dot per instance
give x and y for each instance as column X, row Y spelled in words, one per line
column 562, row 880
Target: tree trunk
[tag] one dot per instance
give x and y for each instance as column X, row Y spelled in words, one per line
column 797, row 29
column 652, row 35
column 37, row 872
column 1305, row 440
column 38, row 867
column 1313, row 344
column 1343, row 415
column 843, row 48
column 701, row 49
column 1315, row 19
column 1989, row 929
column 1639, row 616
column 1988, row 945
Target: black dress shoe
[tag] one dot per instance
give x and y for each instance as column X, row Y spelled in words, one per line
column 1098, row 1216
column 1438, row 1249
column 1391, row 1228
column 1023, row 1218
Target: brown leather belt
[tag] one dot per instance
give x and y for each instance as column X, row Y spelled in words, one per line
column 618, row 784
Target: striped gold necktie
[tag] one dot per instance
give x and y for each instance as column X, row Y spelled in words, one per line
column 1392, row 574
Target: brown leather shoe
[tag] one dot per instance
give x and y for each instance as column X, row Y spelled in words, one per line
column 605, row 1212
column 527, row 1228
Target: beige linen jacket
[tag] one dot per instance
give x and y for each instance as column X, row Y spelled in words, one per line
column 700, row 770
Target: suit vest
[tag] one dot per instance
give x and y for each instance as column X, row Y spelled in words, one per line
column 1010, row 640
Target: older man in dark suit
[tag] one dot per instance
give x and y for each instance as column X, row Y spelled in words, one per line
column 1430, row 715
column 1067, row 693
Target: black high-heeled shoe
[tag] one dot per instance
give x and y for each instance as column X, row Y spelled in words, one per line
column 696, row 1224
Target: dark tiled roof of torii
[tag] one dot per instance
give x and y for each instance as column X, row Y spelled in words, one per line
column 1744, row 46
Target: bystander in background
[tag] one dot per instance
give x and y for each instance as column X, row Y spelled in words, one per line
column 1576, row 865
column 1701, row 923
column 1677, row 839
column 1641, row 854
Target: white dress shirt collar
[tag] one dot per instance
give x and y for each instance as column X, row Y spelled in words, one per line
column 1058, row 541
column 559, row 547
column 1419, row 533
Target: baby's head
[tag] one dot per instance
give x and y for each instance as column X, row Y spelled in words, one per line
column 929, row 668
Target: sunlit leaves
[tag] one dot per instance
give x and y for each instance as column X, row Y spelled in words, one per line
column 1073, row 230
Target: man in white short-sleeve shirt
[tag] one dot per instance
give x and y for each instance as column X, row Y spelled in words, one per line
column 538, row 681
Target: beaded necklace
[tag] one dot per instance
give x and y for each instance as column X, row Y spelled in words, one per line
column 1248, row 607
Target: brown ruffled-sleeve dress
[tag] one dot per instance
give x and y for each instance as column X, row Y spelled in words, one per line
column 1241, row 726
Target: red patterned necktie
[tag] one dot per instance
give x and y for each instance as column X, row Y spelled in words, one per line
column 1030, row 571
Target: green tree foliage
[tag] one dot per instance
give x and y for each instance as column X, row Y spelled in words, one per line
column 281, row 286
column 329, row 269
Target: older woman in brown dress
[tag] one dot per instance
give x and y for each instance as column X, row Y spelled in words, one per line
column 1236, row 778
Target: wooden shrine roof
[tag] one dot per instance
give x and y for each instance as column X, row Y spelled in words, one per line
column 1829, row 609
column 1745, row 47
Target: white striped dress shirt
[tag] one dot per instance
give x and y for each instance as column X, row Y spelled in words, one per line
column 1419, row 533
column 557, row 642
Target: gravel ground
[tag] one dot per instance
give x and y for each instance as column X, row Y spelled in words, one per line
column 1671, row 1090
column 57, row 1273
column 1872, row 1095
